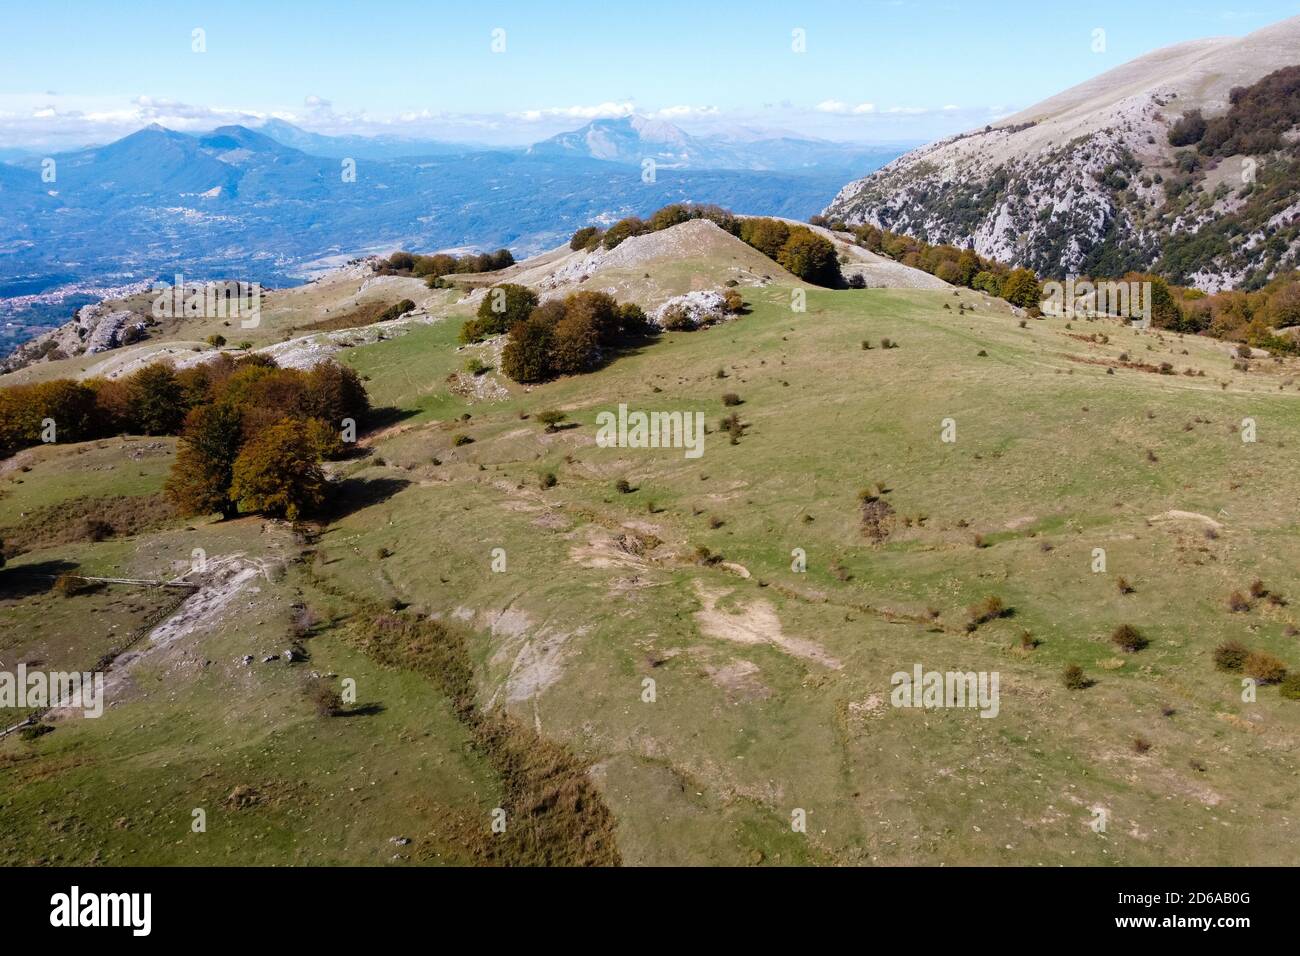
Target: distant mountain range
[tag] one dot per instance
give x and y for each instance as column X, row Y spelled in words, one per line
column 276, row 204
column 633, row 139
column 362, row 147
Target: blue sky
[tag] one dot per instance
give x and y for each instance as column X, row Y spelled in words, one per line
column 80, row 71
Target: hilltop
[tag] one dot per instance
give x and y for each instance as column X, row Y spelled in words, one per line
column 1091, row 181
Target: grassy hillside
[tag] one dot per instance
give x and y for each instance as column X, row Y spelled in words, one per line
column 771, row 687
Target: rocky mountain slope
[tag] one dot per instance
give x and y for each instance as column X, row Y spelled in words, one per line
column 1089, row 182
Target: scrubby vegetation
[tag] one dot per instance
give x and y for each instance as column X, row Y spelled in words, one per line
column 432, row 268
column 562, row 817
column 87, row 518
column 367, row 313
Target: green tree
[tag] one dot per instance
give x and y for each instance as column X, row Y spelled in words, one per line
column 502, row 307
column 69, row 405
column 1284, row 306
column 765, row 235
column 1021, row 288
column 669, row 216
column 811, row 257
column 623, row 229
column 585, row 238
column 335, row 392
column 526, row 357
column 968, row 266
column 157, row 400
column 203, row 471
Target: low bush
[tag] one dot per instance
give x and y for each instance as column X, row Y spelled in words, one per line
column 1128, row 638
column 1264, row 667
column 1230, row 656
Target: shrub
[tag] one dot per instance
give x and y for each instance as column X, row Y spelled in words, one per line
column 583, row 237
column 1141, row 745
column 989, row 609
column 1264, row 667
column 461, row 439
column 623, row 487
column 1237, row 602
column 733, row 302
column 547, row 480
column 550, row 418
column 476, row 366
column 96, row 529
column 396, row 310
column 1073, row 677
column 731, row 399
column 35, row 731
column 1128, row 638
column 676, row 318
column 1188, row 130
column 1230, row 656
column 1123, row 586
column 1290, row 687
column 324, row 697
column 70, row 585
column 704, row 556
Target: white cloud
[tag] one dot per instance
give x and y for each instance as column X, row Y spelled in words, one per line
column 684, row 112
column 606, row 110
column 835, row 106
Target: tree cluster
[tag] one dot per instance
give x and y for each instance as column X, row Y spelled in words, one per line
column 251, row 434
column 434, row 267
column 571, row 336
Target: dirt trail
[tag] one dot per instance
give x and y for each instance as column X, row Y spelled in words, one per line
column 223, row 580
column 756, row 624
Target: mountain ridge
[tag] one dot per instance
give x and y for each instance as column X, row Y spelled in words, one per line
column 1076, row 183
